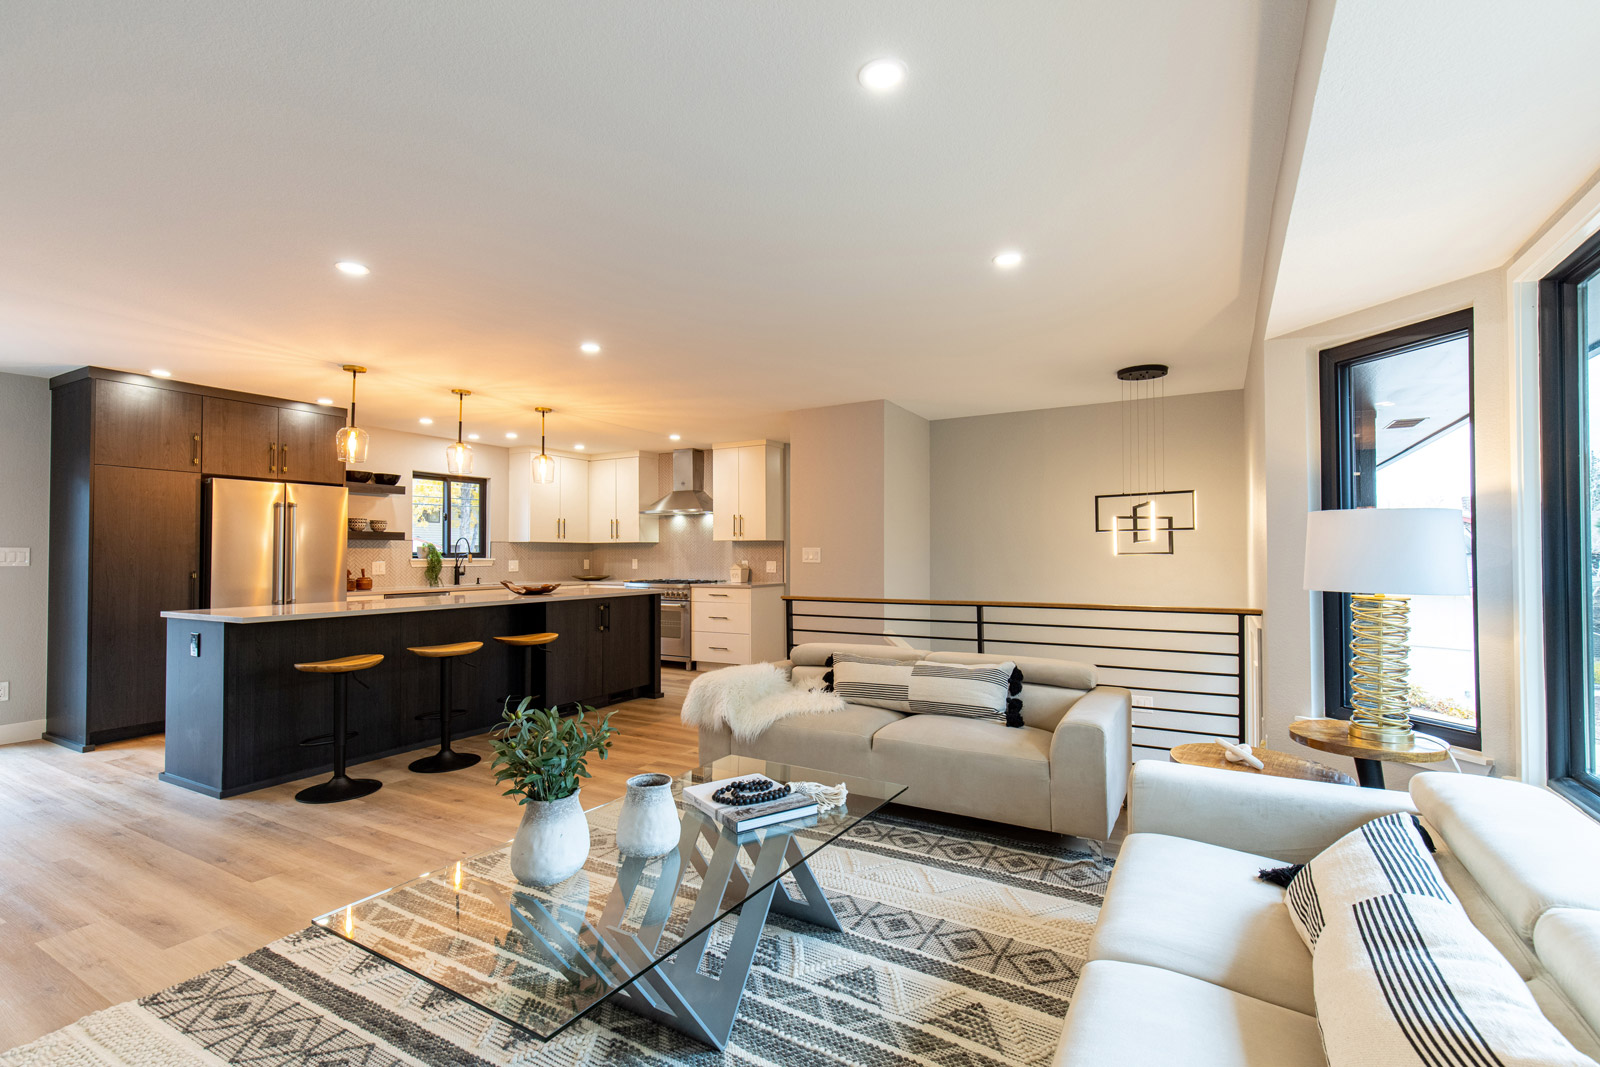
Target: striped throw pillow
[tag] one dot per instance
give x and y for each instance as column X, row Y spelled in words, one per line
column 1387, row 855
column 877, row 683
column 1407, row 980
column 980, row 691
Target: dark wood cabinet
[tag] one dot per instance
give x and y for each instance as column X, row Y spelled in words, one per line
column 146, row 426
column 306, row 452
column 574, row 671
column 240, row 439
column 607, row 646
column 630, row 648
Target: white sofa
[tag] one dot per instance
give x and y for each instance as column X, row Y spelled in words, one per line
column 1065, row 770
column 1195, row 962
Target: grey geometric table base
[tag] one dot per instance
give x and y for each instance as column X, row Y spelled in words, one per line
column 675, row 992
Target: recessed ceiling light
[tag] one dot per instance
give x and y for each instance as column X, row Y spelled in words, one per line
column 351, row 267
column 472, row 437
column 324, row 399
column 578, row 447
column 161, row 372
column 590, row 348
column 425, row 421
column 882, row 75
column 511, row 437
column 1008, row 259
column 674, row 437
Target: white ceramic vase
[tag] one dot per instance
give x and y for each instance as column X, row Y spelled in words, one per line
column 648, row 826
column 552, row 842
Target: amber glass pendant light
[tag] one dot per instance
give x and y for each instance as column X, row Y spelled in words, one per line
column 544, row 467
column 458, row 457
column 351, row 440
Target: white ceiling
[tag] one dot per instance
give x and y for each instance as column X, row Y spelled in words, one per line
column 702, row 187
column 1444, row 134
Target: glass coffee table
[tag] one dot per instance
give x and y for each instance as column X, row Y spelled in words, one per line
column 627, row 930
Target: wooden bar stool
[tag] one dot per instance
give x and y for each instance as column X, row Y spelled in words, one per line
column 527, row 642
column 447, row 758
column 341, row 786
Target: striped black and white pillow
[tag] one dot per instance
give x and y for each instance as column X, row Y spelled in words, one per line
column 1387, row 855
column 877, row 683
column 969, row 691
column 1407, row 980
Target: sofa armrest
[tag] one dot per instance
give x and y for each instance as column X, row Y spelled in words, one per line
column 1089, row 758
column 1285, row 818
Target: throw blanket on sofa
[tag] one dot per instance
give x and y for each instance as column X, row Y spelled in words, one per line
column 750, row 698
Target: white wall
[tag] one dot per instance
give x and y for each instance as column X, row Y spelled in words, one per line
column 24, row 523
column 907, row 503
column 836, row 500
column 1013, row 506
column 397, row 452
column 1292, row 624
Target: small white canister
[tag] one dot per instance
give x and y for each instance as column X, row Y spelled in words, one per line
column 739, row 572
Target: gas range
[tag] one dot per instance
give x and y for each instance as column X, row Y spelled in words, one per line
column 670, row 588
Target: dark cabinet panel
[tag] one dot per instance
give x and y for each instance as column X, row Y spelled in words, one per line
column 306, row 452
column 573, row 669
column 144, row 542
column 629, row 650
column 144, row 426
column 240, row 439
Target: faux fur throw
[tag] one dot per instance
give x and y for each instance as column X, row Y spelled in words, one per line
column 750, row 698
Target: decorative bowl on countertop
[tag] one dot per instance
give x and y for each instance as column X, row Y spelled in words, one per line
column 531, row 590
column 591, row 577
column 386, row 479
column 358, row 525
column 378, row 525
column 358, row 476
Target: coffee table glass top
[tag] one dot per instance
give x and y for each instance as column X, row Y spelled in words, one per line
column 541, row 957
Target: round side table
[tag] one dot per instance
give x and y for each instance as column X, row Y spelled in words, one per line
column 1333, row 735
column 1276, row 764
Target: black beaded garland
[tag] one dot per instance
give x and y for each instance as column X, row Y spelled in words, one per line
column 747, row 791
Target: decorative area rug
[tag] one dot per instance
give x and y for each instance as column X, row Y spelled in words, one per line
column 959, row 948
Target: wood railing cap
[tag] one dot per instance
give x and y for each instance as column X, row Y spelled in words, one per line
column 1025, row 604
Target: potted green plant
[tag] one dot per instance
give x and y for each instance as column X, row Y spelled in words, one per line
column 542, row 756
column 435, row 564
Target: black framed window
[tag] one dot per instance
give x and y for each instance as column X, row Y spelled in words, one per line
column 1397, row 433
column 451, row 512
column 1569, row 344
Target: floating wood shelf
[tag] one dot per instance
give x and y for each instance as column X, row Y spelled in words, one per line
column 374, row 489
column 370, row 535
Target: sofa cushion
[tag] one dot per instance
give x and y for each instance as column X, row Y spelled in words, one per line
column 1199, row 909
column 1530, row 850
column 839, row 741
column 1128, row 1015
column 1060, row 673
column 968, row 767
column 816, row 653
column 1406, row 980
column 1568, row 941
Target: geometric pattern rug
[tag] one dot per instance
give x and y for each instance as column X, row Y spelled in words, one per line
column 960, row 948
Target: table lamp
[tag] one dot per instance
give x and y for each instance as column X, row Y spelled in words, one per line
column 1403, row 552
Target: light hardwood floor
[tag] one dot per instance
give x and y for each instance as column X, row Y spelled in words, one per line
column 114, row 885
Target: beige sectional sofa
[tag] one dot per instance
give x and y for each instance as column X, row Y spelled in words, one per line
column 1195, row 960
column 1065, row 770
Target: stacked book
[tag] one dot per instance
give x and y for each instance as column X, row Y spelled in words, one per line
column 739, row 818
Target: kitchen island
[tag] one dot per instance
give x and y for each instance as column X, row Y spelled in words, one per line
column 237, row 710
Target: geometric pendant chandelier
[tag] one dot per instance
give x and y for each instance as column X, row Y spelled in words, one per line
column 1144, row 516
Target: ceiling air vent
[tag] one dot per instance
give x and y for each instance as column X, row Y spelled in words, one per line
column 1405, row 424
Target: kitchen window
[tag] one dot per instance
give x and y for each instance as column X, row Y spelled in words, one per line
column 450, row 512
column 1397, row 433
column 1569, row 403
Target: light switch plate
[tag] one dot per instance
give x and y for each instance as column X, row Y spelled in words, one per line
column 5, row 690
column 380, row 567
column 513, row 564
column 13, row 557
column 772, row 566
column 811, row 555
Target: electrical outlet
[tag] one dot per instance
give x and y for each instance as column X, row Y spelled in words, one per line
column 380, row 566
column 194, row 645
column 586, row 566
column 5, row 690
column 13, row 557
column 635, row 564
column 811, row 555
column 772, row 566
column 513, row 565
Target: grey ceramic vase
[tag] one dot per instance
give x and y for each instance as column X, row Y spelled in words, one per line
column 552, row 842
column 648, row 825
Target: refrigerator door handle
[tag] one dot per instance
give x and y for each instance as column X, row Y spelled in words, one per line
column 277, row 553
column 291, row 554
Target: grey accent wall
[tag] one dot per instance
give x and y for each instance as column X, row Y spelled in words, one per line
column 24, row 523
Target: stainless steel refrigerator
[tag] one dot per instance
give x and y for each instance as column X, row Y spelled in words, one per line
column 273, row 543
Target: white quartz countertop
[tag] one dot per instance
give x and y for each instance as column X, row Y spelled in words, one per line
column 446, row 599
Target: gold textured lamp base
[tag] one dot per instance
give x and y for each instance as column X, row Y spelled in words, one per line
column 1380, row 628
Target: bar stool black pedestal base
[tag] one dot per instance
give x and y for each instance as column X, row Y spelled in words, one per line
column 337, row 789
column 442, row 762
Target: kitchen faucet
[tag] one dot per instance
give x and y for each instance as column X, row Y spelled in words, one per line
column 460, row 566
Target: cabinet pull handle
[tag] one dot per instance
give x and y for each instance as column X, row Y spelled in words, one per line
column 719, row 648
column 724, row 596
column 194, row 584
column 283, row 459
column 196, row 460
column 272, row 459
column 724, row 618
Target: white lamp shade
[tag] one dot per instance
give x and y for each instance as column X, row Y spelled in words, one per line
column 1388, row 551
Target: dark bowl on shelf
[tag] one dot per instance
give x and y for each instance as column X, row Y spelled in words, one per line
column 358, row 476
column 386, row 479
column 591, row 577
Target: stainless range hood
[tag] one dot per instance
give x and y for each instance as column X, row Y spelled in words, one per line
column 688, row 496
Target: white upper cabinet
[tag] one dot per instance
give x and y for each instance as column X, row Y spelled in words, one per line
column 618, row 488
column 747, row 491
column 548, row 512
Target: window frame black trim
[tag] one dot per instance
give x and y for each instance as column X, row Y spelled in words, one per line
column 1562, row 492
column 1335, row 437
column 482, row 550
